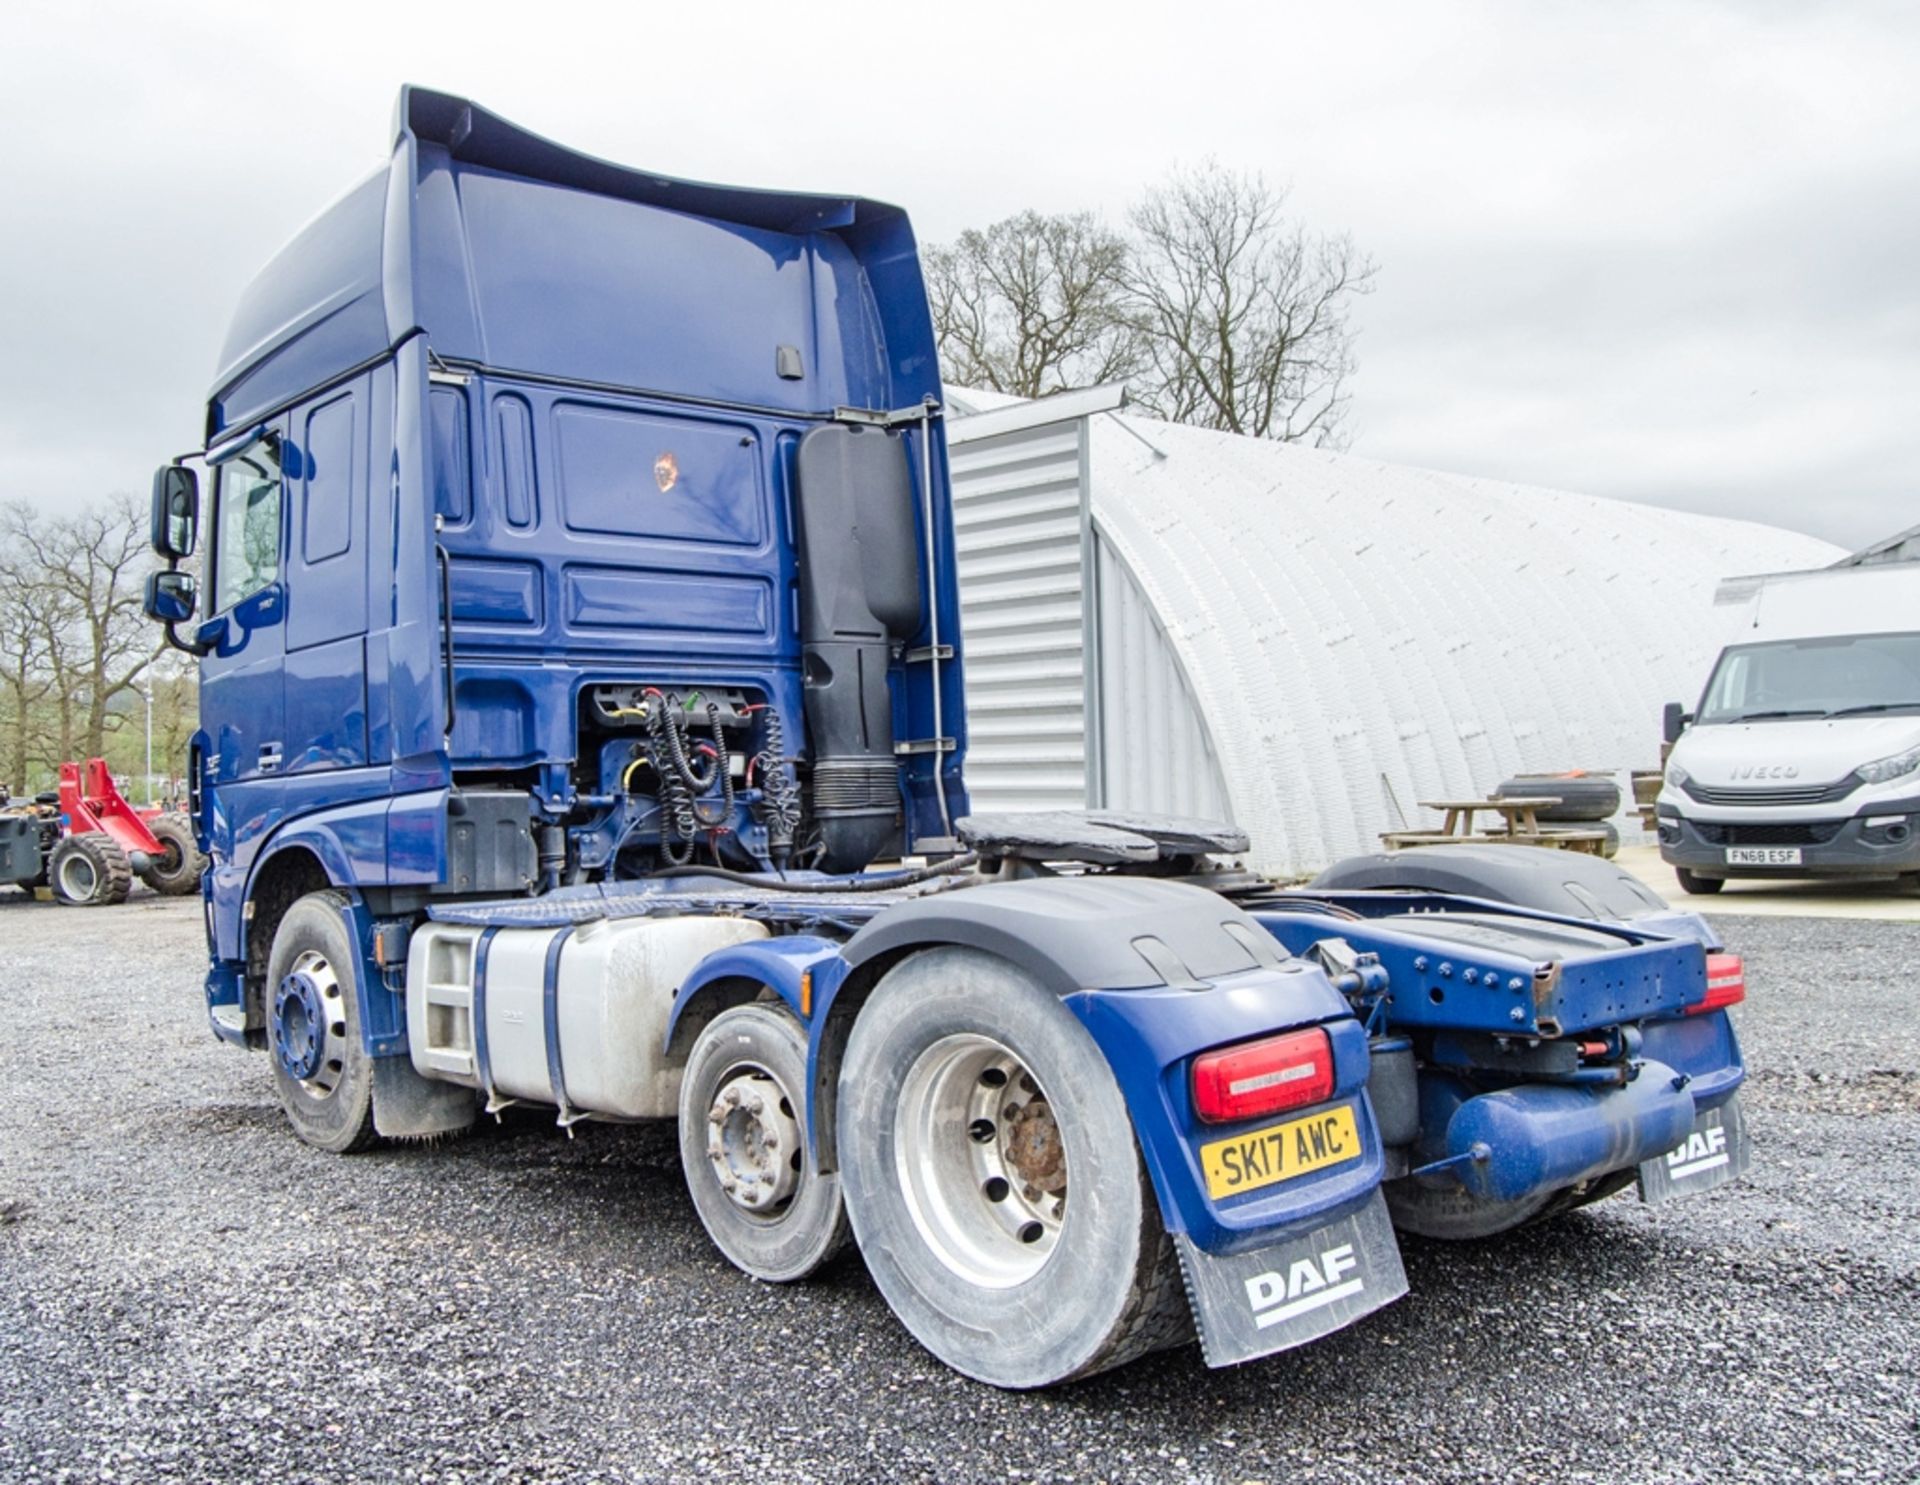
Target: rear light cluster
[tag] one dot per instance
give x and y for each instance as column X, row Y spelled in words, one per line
column 1726, row 984
column 1289, row 1071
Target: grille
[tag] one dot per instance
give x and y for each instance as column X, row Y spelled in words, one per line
column 1804, row 794
column 1804, row 833
column 855, row 784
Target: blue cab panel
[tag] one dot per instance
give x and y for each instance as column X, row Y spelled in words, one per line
column 571, row 395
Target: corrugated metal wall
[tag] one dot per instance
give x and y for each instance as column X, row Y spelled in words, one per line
column 1360, row 637
column 1160, row 757
column 1018, row 512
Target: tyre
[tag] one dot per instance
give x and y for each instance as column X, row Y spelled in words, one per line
column 1583, row 797
column 89, row 870
column 320, row 1066
column 1610, row 847
column 743, row 1147
column 176, row 870
column 992, row 1179
column 1698, row 886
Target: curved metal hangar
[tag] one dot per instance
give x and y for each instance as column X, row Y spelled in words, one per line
column 1168, row 618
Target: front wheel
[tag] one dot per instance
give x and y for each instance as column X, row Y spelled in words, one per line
column 992, row 1178
column 320, row 1065
column 1698, row 886
column 743, row 1148
column 176, row 870
column 89, row 870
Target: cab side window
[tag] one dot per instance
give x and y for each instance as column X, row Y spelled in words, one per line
column 247, row 524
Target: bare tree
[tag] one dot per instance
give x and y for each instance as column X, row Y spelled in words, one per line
column 1034, row 305
column 176, row 712
column 78, row 578
column 1244, row 313
column 25, row 679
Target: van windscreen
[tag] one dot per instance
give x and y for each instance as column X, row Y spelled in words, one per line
column 1832, row 676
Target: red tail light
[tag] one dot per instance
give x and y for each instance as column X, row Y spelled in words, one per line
column 1726, row 984
column 1264, row 1077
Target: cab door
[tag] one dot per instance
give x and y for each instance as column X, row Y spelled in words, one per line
column 325, row 576
column 242, row 674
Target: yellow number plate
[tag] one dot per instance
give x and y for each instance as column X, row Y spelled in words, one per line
column 1265, row 1157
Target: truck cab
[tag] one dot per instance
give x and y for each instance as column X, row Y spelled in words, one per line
column 1802, row 756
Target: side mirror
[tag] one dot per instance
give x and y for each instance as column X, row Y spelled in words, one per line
column 176, row 511
column 171, row 597
column 1674, row 720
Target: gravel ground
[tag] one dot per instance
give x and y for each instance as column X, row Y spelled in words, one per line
column 187, row 1293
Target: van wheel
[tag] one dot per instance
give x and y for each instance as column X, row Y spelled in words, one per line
column 320, row 1065
column 993, row 1181
column 1698, row 886
column 743, row 1147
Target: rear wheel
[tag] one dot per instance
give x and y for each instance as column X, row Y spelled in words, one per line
column 992, row 1178
column 176, row 870
column 320, row 1066
column 1698, row 886
column 89, row 870
column 743, row 1147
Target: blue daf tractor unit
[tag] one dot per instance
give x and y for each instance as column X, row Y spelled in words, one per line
column 582, row 726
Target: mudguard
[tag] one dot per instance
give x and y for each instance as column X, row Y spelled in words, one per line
column 800, row 969
column 1149, row 1038
column 1082, row 933
column 1704, row 1048
column 1568, row 884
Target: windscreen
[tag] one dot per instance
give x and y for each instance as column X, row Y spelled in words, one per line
column 1851, row 675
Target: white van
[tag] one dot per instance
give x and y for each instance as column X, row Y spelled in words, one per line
column 1802, row 758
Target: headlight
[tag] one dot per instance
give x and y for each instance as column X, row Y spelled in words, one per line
column 1886, row 769
column 1677, row 776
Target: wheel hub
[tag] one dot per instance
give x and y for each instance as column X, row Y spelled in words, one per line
column 298, row 1034
column 753, row 1142
column 78, row 878
column 1033, row 1148
column 308, row 1025
column 981, row 1160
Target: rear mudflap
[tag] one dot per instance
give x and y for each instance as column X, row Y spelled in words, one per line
column 1716, row 1152
column 1274, row 1298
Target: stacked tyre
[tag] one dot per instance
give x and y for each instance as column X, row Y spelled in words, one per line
column 1583, row 801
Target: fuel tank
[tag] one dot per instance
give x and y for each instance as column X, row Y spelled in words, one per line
column 1539, row 1137
column 574, row 1017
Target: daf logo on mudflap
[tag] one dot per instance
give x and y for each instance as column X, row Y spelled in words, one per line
column 1705, row 1150
column 1767, row 771
column 1307, row 1284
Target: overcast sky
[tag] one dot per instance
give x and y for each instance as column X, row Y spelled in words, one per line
column 1666, row 252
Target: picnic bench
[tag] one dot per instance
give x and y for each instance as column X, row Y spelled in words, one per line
column 1520, row 826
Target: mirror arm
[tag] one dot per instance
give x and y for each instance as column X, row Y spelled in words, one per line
column 189, row 646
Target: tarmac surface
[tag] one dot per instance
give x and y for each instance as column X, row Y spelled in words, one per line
column 187, row 1293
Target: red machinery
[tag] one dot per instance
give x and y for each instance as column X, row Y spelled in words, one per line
column 107, row 842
